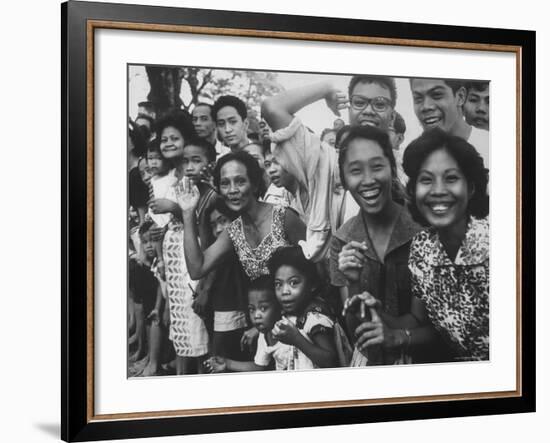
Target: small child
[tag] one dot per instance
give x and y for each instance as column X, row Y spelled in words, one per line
column 264, row 311
column 147, row 293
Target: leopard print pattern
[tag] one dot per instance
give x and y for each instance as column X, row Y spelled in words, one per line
column 456, row 294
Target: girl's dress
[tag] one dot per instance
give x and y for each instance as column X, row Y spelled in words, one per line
column 316, row 318
column 254, row 260
column 456, row 293
column 187, row 330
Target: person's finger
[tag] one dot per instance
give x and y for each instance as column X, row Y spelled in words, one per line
column 372, row 342
column 362, row 311
column 374, row 315
column 367, row 336
column 364, row 327
column 355, row 245
column 349, row 262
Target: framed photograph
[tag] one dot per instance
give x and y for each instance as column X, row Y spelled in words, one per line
column 275, row 221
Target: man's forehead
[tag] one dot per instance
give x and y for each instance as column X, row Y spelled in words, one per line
column 228, row 111
column 425, row 84
column 201, row 109
column 362, row 86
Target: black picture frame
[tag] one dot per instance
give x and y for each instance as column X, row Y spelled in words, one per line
column 77, row 420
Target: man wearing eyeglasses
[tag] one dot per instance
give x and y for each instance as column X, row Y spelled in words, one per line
column 314, row 165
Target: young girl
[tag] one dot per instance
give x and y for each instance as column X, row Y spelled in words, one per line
column 307, row 324
column 187, row 330
column 370, row 251
column 449, row 262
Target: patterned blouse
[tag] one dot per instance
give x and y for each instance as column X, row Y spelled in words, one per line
column 456, row 294
column 254, row 260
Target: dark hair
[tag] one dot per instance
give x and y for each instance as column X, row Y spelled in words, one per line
column 253, row 170
column 455, row 85
column 229, row 100
column 145, row 117
column 256, row 143
column 220, row 206
column 468, row 159
column 139, row 136
column 264, row 283
column 326, row 131
column 479, row 85
column 384, row 81
column 380, row 137
column 147, row 105
column 144, row 228
column 208, row 105
column 154, row 145
column 181, row 120
column 399, row 125
column 207, row 148
column 342, row 132
column 293, row 256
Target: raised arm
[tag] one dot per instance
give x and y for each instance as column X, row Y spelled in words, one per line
column 279, row 110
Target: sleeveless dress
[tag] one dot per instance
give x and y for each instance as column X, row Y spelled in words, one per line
column 254, row 260
column 187, row 330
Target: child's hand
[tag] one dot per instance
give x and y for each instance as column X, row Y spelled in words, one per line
column 187, row 195
column 215, row 365
column 248, row 338
column 285, row 332
column 162, row 206
column 351, row 260
column 200, row 304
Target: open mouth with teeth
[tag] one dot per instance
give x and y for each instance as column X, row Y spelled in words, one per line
column 368, row 123
column 370, row 196
column 440, row 208
column 431, row 121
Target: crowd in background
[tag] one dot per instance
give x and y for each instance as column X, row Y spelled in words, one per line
column 256, row 244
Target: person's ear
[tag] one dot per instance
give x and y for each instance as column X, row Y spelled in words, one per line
column 461, row 96
column 246, row 123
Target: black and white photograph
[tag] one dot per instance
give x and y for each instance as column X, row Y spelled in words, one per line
column 290, row 221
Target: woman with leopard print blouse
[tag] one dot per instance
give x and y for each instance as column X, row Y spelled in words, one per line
column 449, row 262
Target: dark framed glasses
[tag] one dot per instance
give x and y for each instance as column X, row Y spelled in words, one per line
column 378, row 104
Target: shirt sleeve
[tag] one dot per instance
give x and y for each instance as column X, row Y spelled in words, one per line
column 263, row 356
column 317, row 322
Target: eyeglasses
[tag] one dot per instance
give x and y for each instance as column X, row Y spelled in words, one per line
column 379, row 104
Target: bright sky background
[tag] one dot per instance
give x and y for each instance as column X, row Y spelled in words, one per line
column 316, row 116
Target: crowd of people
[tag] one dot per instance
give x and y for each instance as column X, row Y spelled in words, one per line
column 260, row 245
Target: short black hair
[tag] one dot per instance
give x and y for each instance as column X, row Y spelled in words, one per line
column 229, row 100
column 139, row 136
column 294, row 256
column 220, row 206
column 145, row 227
column 399, row 125
column 477, row 85
column 468, row 159
column 264, row 283
column 145, row 117
column 375, row 135
column 382, row 80
column 208, row 105
column 154, row 145
column 454, row 84
column 181, row 120
column 253, row 170
column 207, row 148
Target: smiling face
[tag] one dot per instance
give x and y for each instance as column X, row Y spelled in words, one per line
column 235, row 186
column 476, row 108
column 368, row 175
column 194, row 161
column 171, row 142
column 263, row 309
column 203, row 122
column 435, row 104
column 232, row 127
column 292, row 289
column 368, row 115
column 442, row 193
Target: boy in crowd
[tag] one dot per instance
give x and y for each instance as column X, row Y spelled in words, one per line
column 231, row 118
column 476, row 108
column 438, row 103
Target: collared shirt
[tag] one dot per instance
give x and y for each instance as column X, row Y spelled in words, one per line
column 389, row 279
column 456, row 293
